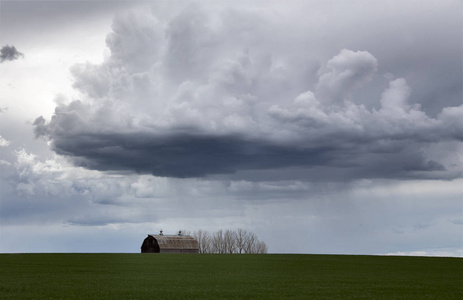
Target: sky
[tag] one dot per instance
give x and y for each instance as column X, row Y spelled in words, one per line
column 331, row 127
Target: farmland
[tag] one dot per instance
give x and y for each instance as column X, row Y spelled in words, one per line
column 208, row 276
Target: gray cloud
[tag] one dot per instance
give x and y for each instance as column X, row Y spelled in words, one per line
column 9, row 53
column 192, row 95
column 3, row 142
column 195, row 155
column 185, row 155
column 348, row 71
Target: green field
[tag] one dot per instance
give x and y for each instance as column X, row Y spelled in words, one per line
column 202, row 276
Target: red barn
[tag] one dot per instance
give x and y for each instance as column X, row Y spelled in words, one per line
column 169, row 244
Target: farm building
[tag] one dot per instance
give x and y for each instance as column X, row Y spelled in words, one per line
column 169, row 244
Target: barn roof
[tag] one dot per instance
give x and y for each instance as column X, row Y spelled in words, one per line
column 176, row 241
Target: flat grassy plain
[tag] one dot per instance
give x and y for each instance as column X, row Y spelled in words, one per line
column 219, row 276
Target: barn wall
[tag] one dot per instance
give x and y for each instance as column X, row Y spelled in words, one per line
column 150, row 245
column 180, row 251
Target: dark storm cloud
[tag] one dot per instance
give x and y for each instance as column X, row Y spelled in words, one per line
column 9, row 53
column 197, row 156
column 184, row 155
column 340, row 155
column 193, row 95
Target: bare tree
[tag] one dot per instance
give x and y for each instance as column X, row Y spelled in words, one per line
column 218, row 244
column 240, row 238
column 229, row 241
column 250, row 241
column 203, row 237
column 261, row 248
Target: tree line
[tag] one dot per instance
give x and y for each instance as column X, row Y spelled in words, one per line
column 229, row 241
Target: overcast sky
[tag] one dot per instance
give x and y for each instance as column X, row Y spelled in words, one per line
column 321, row 126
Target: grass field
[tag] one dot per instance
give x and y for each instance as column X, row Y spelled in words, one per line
column 194, row 276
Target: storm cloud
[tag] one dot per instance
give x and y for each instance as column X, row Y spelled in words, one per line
column 9, row 53
column 194, row 95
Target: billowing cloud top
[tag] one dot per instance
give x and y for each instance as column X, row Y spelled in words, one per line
column 9, row 53
column 232, row 91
